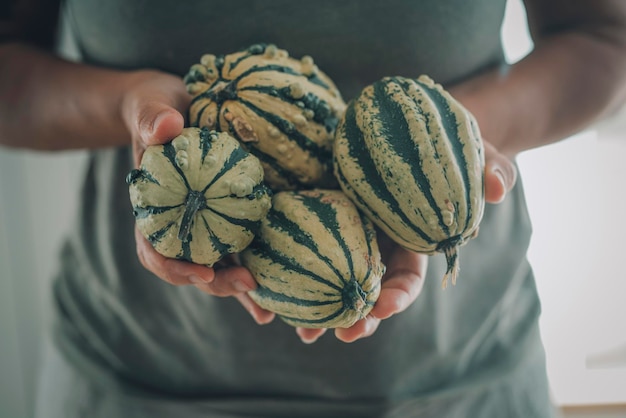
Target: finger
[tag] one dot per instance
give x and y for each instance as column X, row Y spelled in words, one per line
column 260, row 315
column 310, row 335
column 228, row 260
column 361, row 329
column 229, row 281
column 156, row 124
column 153, row 118
column 159, row 123
column 153, row 112
column 500, row 175
column 175, row 272
column 401, row 284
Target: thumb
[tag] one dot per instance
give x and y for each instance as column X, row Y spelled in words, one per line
column 153, row 111
column 156, row 122
column 153, row 123
column 500, row 175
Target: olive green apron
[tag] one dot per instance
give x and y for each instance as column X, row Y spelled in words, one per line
column 127, row 344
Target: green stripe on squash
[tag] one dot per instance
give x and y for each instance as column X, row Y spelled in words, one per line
column 316, row 260
column 411, row 157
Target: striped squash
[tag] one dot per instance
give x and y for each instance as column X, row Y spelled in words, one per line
column 283, row 110
column 316, row 260
column 199, row 197
column 411, row 157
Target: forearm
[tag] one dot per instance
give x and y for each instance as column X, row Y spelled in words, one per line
column 569, row 81
column 47, row 103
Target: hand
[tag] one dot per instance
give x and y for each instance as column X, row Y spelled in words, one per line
column 406, row 270
column 153, row 110
column 500, row 174
column 400, row 286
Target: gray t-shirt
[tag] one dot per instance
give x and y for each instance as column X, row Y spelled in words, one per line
column 150, row 349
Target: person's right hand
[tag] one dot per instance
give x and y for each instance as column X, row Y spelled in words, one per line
column 152, row 109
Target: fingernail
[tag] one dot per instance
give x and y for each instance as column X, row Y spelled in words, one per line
column 241, row 286
column 502, row 194
column 262, row 319
column 157, row 121
column 148, row 129
column 370, row 326
column 197, row 280
column 500, row 175
column 308, row 340
column 402, row 302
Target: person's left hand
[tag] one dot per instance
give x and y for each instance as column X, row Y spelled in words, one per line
column 406, row 270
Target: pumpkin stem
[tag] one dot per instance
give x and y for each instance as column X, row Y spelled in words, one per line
column 452, row 257
column 224, row 91
column 354, row 296
column 194, row 202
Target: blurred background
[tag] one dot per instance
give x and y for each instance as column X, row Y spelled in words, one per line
column 576, row 198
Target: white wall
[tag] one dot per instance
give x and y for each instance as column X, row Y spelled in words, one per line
column 37, row 200
column 576, row 194
column 576, row 200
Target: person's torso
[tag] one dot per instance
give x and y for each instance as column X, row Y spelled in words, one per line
column 354, row 41
column 181, row 341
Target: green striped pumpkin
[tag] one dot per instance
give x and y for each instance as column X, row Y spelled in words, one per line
column 316, row 260
column 199, row 197
column 411, row 157
column 283, row 110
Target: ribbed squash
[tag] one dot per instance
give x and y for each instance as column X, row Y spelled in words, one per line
column 283, row 110
column 316, row 260
column 199, row 197
column 411, row 157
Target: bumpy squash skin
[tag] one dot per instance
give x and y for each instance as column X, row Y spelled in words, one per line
column 199, row 197
column 411, row 157
column 283, row 110
column 316, row 260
